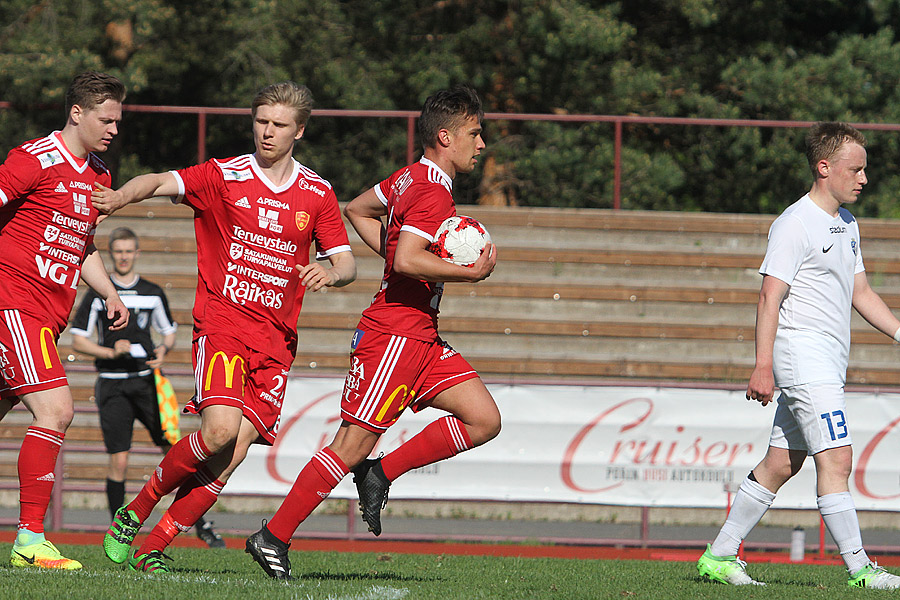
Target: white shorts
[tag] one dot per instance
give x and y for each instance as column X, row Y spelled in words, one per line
column 811, row 417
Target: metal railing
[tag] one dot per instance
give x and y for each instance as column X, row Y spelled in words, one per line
column 618, row 122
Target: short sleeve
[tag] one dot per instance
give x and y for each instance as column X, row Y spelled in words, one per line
column 199, row 185
column 431, row 206
column 330, row 233
column 787, row 248
column 19, row 175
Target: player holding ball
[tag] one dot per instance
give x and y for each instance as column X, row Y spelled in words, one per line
column 397, row 359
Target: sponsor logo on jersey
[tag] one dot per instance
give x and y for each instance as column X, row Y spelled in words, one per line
column 301, row 219
column 6, row 369
column 355, row 375
column 257, row 275
column 268, row 219
column 76, row 225
column 237, row 175
column 838, row 229
column 80, row 185
column 238, row 252
column 273, row 202
column 305, row 185
column 243, row 203
column 267, row 243
column 57, row 272
column 80, row 204
column 54, row 235
column 403, row 182
column 60, row 254
column 48, row 159
column 241, row 292
column 60, row 188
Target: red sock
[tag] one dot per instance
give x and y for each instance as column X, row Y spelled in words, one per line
column 180, row 462
column 193, row 499
column 37, row 461
column 320, row 475
column 441, row 439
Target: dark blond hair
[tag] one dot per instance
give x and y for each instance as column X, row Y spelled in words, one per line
column 91, row 89
column 824, row 140
column 447, row 109
column 289, row 94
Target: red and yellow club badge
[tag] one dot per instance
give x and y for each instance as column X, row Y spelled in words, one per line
column 301, row 219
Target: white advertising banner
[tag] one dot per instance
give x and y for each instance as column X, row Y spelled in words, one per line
column 636, row 446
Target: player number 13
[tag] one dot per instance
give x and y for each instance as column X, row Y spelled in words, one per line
column 836, row 421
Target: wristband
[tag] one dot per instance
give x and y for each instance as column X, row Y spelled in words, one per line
column 897, row 335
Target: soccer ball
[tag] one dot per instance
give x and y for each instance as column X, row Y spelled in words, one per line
column 460, row 240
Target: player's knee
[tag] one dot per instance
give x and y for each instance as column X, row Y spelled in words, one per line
column 487, row 429
column 218, row 438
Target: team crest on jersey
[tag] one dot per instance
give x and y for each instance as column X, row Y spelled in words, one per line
column 243, row 202
column 853, row 245
column 236, row 251
column 301, row 219
column 48, row 159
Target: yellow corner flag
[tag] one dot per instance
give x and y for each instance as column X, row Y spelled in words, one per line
column 168, row 407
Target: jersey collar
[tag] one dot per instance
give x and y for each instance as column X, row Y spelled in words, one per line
column 78, row 165
column 257, row 170
column 446, row 180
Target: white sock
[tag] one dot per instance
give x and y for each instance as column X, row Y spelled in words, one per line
column 750, row 503
column 839, row 513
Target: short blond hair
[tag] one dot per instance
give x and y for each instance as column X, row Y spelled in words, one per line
column 824, row 140
column 287, row 93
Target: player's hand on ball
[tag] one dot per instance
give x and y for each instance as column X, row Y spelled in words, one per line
column 484, row 265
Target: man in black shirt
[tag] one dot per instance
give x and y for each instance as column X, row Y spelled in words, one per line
column 125, row 360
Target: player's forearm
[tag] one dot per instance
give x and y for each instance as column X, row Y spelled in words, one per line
column 91, row 348
column 148, row 186
column 94, row 274
column 766, row 329
column 343, row 268
column 873, row 309
column 422, row 264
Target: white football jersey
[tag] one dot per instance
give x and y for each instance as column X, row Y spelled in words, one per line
column 818, row 256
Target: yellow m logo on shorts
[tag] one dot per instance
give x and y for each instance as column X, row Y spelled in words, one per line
column 229, row 366
column 46, row 344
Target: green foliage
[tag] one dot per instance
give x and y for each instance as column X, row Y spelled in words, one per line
column 804, row 60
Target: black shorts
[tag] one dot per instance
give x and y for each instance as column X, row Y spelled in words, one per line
column 120, row 402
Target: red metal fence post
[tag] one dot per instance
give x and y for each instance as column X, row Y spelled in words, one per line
column 201, row 137
column 410, row 139
column 617, row 168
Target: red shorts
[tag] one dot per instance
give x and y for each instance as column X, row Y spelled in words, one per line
column 29, row 360
column 227, row 372
column 389, row 373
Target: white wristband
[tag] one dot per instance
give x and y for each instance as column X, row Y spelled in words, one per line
column 897, row 335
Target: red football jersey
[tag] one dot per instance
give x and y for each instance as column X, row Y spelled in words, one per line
column 250, row 235
column 46, row 224
column 418, row 199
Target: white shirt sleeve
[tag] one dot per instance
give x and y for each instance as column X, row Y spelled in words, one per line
column 787, row 248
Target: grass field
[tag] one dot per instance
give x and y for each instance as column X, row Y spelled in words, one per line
column 231, row 574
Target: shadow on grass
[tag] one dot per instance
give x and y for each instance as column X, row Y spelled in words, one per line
column 769, row 581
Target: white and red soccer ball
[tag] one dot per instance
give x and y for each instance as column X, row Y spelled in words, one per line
column 460, row 240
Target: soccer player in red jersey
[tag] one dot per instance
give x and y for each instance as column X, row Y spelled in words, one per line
column 255, row 218
column 397, row 358
column 47, row 244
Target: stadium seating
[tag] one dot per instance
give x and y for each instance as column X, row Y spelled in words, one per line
column 578, row 295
